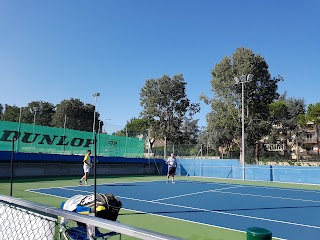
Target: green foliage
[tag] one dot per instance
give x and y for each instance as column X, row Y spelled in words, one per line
column 40, row 112
column 189, row 132
column 138, row 127
column 11, row 113
column 313, row 113
column 287, row 118
column 278, row 110
column 74, row 114
column 224, row 120
column 1, row 111
column 135, row 127
column 165, row 105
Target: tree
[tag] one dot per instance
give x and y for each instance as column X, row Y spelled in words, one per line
column 313, row 115
column 284, row 116
column 189, row 131
column 1, row 111
column 165, row 104
column 11, row 113
column 38, row 112
column 74, row 114
column 135, row 127
column 224, row 120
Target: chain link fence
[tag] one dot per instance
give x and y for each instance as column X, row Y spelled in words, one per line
column 183, row 151
column 25, row 220
column 21, row 223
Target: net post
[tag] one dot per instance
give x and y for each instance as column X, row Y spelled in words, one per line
column 271, row 173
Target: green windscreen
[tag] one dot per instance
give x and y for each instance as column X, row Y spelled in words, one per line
column 40, row 139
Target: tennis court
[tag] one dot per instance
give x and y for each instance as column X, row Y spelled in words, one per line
column 287, row 212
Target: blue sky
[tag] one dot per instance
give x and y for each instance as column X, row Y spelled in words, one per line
column 56, row 50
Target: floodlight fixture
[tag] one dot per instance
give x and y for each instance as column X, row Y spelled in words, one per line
column 249, row 77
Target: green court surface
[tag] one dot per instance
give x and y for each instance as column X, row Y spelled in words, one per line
column 169, row 226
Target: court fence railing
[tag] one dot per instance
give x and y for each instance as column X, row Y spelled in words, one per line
column 232, row 169
column 21, row 219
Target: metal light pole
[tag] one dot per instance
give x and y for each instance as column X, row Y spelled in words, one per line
column 35, row 109
column 243, row 79
column 105, row 123
column 99, row 126
column 64, row 130
column 19, row 128
column 95, row 96
column 99, row 133
column 126, row 149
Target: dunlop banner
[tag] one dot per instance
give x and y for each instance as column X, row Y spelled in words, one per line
column 40, row 139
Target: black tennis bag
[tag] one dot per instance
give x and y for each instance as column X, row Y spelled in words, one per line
column 108, row 206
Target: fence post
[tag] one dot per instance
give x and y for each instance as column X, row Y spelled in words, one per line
column 271, row 174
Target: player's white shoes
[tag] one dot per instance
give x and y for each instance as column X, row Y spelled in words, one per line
column 85, row 183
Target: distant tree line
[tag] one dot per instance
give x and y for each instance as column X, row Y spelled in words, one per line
column 269, row 117
column 168, row 113
column 72, row 114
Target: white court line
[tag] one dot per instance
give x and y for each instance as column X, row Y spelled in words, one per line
column 200, row 223
column 215, row 190
column 241, row 194
column 263, row 196
column 256, row 195
column 76, row 190
column 52, row 195
column 270, row 187
column 225, row 213
column 284, row 189
column 179, row 219
column 189, row 194
column 47, row 194
column 205, row 210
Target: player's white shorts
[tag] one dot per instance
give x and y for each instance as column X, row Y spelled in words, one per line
column 86, row 168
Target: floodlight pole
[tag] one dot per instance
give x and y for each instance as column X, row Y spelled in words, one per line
column 95, row 96
column 95, row 173
column 242, row 131
column 64, row 130
column 19, row 128
column 35, row 109
column 243, row 79
column 105, row 123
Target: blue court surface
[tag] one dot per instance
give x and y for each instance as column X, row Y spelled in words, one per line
column 288, row 213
